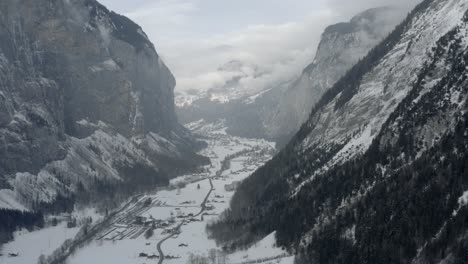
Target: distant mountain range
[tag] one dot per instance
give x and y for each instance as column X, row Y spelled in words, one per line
column 233, row 89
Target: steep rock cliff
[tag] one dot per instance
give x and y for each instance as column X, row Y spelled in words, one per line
column 86, row 103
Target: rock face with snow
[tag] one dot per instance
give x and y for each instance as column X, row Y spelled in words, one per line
column 341, row 46
column 378, row 173
column 278, row 112
column 85, row 101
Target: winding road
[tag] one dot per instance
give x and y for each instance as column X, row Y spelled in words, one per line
column 222, row 150
column 203, row 208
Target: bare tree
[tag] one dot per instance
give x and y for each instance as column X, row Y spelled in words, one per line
column 212, row 255
column 197, row 259
column 42, row 260
column 222, row 257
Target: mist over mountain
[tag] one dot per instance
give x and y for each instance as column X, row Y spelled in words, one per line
column 277, row 111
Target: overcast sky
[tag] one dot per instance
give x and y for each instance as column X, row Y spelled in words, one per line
column 195, row 37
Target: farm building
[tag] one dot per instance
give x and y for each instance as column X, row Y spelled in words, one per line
column 232, row 187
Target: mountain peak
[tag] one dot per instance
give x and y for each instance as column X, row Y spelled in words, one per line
column 119, row 26
column 369, row 20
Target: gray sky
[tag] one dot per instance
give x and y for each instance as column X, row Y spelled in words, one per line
column 195, row 37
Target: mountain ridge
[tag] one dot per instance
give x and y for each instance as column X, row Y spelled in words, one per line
column 87, row 106
column 377, row 172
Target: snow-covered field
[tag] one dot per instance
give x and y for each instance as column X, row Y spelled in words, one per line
column 264, row 249
column 177, row 215
column 31, row 245
column 180, row 213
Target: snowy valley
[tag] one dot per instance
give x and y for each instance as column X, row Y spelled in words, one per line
column 169, row 222
column 361, row 158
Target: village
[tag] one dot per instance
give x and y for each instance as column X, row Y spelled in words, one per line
column 169, row 225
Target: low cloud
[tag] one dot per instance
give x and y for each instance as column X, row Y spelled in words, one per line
column 347, row 8
column 280, row 50
column 164, row 14
column 194, row 39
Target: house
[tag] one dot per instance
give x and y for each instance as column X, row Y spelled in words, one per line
column 209, row 207
column 140, row 220
column 150, row 222
column 148, row 202
column 232, row 187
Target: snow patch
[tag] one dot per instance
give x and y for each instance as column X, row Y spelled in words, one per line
column 9, row 200
column 462, row 201
column 107, row 65
column 266, row 248
column 253, row 98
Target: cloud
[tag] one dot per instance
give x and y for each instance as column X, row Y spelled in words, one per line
column 196, row 37
column 281, row 50
column 347, row 8
column 166, row 13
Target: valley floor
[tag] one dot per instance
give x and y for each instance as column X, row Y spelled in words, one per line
column 179, row 214
column 29, row 246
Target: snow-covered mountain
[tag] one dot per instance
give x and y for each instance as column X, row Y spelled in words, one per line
column 277, row 112
column 341, row 46
column 86, row 107
column 378, row 172
column 235, row 74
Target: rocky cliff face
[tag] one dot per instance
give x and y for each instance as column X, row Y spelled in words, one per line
column 378, row 173
column 341, row 46
column 84, row 97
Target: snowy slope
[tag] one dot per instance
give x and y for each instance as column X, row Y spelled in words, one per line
column 350, row 129
column 265, row 248
column 378, row 172
column 341, row 46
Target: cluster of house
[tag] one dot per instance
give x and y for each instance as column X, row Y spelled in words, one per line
column 144, row 255
column 157, row 223
column 149, row 221
column 154, row 256
column 209, row 207
column 175, row 230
